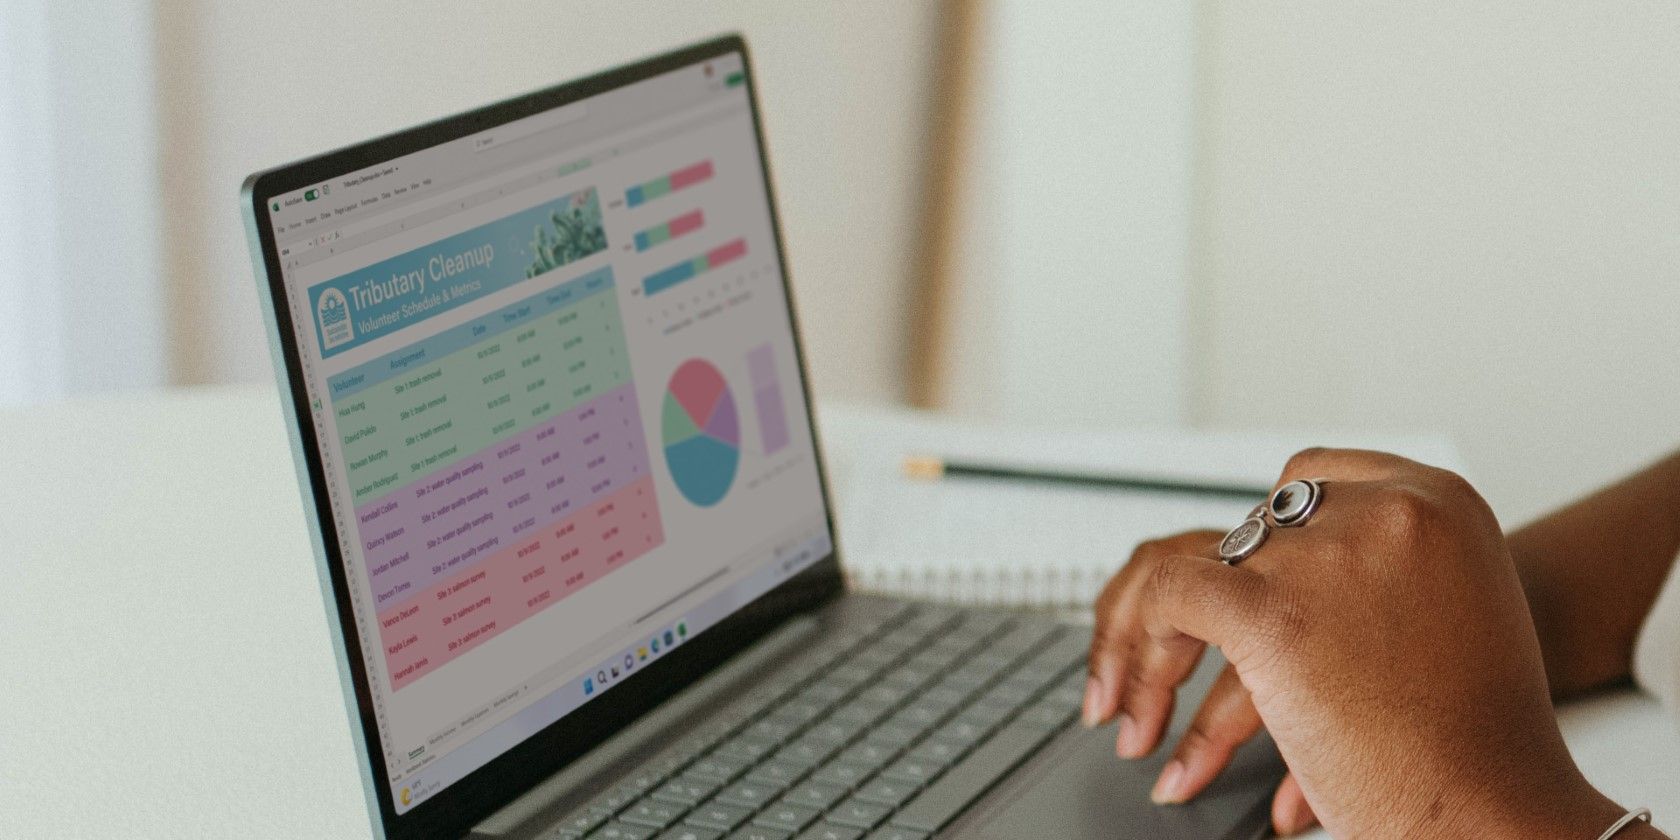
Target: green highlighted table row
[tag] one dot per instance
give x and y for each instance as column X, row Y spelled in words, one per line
column 545, row 361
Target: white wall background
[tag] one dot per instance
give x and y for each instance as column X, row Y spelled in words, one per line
column 1468, row 213
column 1072, row 274
column 253, row 84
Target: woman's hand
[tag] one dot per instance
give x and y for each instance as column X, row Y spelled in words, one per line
column 1385, row 645
column 1226, row 719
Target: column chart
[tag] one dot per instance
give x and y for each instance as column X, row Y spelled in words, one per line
column 497, row 467
column 767, row 398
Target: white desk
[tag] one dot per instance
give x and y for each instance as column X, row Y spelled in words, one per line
column 164, row 650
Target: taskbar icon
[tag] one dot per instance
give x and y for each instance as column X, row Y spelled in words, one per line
column 621, row 665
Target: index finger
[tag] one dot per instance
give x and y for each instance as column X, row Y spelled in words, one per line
column 1117, row 632
column 1201, row 599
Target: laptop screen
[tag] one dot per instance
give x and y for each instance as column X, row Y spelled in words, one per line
column 552, row 375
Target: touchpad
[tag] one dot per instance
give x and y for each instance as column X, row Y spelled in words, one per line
column 1079, row 789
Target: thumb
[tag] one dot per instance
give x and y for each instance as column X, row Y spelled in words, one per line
column 1225, row 606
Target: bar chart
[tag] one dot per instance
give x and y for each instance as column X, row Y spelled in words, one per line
column 659, row 234
column 689, row 269
column 664, row 185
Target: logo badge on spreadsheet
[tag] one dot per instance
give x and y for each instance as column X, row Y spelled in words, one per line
column 334, row 313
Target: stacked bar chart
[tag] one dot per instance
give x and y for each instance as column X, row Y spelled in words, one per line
column 496, row 467
column 659, row 234
column 689, row 269
column 664, row 185
column 767, row 398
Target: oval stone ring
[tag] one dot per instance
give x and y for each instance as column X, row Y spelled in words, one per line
column 1294, row 503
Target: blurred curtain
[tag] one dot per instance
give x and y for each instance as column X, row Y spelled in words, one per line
column 28, row 353
column 80, row 199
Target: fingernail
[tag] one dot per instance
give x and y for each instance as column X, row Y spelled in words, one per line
column 1129, row 737
column 1294, row 819
column 1091, row 716
column 1169, row 789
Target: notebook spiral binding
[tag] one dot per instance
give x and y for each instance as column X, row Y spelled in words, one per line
column 1048, row 587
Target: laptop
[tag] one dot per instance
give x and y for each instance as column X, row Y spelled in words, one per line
column 553, row 430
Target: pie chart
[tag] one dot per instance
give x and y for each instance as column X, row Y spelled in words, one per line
column 702, row 433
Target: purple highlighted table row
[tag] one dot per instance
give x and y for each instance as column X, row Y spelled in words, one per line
column 482, row 502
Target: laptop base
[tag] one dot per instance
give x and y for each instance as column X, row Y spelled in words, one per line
column 1063, row 782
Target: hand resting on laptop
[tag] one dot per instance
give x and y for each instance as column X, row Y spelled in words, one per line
column 1386, row 646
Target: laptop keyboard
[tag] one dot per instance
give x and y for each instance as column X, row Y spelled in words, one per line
column 880, row 734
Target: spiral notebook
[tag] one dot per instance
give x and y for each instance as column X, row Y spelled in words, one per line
column 1028, row 543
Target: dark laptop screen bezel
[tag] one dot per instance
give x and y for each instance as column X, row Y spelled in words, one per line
column 452, row 811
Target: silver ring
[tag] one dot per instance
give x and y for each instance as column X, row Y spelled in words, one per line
column 1245, row 539
column 1289, row 506
column 1294, row 503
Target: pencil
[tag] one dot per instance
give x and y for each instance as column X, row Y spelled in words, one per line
column 926, row 468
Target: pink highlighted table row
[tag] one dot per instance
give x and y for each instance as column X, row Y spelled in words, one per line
column 464, row 611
